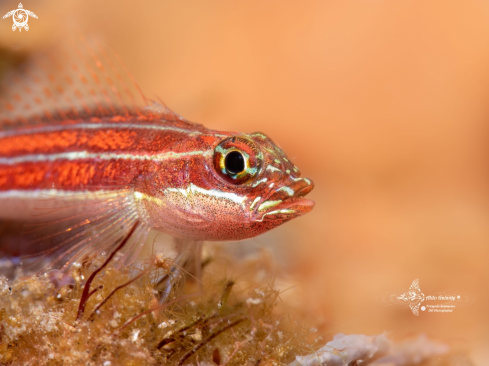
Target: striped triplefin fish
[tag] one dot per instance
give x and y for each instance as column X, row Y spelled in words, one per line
column 83, row 158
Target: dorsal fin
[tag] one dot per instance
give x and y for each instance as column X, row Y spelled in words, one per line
column 80, row 80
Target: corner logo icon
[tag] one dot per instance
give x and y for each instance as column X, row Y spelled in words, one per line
column 20, row 17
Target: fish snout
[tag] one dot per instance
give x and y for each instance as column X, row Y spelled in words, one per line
column 294, row 188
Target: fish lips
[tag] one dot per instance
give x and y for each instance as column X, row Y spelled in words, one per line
column 281, row 204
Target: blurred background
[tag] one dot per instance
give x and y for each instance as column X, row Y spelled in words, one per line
column 383, row 103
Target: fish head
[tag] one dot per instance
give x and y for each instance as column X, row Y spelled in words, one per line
column 236, row 187
column 256, row 166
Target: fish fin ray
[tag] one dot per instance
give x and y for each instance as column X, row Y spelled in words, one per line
column 83, row 79
column 57, row 243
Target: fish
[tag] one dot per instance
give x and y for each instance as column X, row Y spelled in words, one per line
column 82, row 161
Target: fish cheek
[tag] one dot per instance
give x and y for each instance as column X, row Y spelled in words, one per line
column 207, row 206
column 192, row 212
column 219, row 210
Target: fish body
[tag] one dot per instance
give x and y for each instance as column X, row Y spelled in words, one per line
column 82, row 179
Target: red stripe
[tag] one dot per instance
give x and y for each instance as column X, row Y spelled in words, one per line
column 98, row 141
column 92, row 175
column 68, row 175
column 140, row 141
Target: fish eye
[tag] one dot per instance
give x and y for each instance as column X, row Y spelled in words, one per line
column 234, row 162
column 237, row 159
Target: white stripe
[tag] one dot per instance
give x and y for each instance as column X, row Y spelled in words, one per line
column 273, row 169
column 94, row 126
column 255, row 202
column 79, row 155
column 264, row 180
column 259, row 135
column 298, row 179
column 268, row 204
column 282, row 211
column 289, row 190
column 192, row 189
column 55, row 193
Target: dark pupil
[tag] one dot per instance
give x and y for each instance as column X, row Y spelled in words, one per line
column 234, row 162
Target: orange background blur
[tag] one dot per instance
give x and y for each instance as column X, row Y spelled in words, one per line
column 383, row 103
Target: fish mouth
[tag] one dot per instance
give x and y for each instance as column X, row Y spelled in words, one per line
column 297, row 204
column 288, row 201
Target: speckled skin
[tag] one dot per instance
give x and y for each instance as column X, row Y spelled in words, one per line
column 169, row 166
